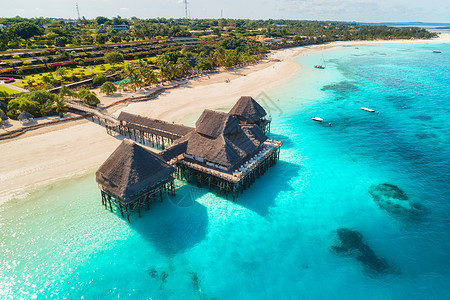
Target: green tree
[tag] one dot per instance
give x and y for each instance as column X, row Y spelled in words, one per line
column 113, row 57
column 26, row 30
column 101, row 20
column 18, row 105
column 61, row 72
column 203, row 63
column 147, row 74
column 99, row 80
column 108, row 88
column 182, row 66
column 168, row 69
column 133, row 75
column 60, row 105
column 87, row 97
column 101, row 38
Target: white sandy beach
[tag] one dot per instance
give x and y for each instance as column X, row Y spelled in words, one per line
column 72, row 148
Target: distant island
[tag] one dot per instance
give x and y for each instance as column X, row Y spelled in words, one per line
column 43, row 60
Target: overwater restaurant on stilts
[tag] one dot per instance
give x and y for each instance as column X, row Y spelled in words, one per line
column 226, row 152
column 133, row 177
column 223, row 154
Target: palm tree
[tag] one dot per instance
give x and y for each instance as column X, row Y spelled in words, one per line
column 183, row 66
column 133, row 76
column 147, row 74
column 60, row 105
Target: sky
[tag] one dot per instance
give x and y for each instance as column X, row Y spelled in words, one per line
column 334, row 10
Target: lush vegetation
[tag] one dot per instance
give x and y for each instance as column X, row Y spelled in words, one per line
column 38, row 33
column 46, row 53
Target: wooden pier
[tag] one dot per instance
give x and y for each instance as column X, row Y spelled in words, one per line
column 156, row 132
column 109, row 121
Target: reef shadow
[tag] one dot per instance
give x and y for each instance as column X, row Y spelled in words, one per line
column 351, row 243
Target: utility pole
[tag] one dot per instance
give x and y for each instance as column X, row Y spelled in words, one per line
column 221, row 13
column 186, row 8
column 78, row 12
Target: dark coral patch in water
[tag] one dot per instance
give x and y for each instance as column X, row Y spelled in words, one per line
column 341, row 87
column 422, row 118
column 387, row 190
column 400, row 102
column 395, row 201
column 351, row 243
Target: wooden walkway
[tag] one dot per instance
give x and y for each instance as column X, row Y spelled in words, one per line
column 101, row 116
column 156, row 132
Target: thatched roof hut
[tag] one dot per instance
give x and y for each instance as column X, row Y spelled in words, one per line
column 218, row 141
column 25, row 116
column 131, row 171
column 247, row 110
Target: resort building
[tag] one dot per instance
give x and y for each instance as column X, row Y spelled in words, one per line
column 223, row 153
column 248, row 111
column 132, row 177
column 120, row 27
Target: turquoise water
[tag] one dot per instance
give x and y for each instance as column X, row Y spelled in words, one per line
column 120, row 81
column 275, row 241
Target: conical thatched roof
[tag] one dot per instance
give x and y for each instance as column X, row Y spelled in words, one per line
column 213, row 123
column 219, row 139
column 247, row 109
column 130, row 169
column 25, row 116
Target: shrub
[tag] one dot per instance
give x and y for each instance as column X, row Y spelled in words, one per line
column 108, row 88
column 99, row 80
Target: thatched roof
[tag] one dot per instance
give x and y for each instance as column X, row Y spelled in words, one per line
column 155, row 124
column 247, row 109
column 219, row 139
column 174, row 151
column 131, row 169
column 213, row 123
column 25, row 116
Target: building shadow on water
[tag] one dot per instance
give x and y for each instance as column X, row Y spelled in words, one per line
column 175, row 225
column 261, row 195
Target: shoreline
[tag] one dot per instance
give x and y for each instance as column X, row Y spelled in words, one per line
column 74, row 148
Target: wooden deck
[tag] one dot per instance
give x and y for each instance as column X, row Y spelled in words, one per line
column 225, row 182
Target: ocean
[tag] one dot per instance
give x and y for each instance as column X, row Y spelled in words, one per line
column 356, row 210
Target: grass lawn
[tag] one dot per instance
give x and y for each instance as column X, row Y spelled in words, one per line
column 86, row 71
column 8, row 90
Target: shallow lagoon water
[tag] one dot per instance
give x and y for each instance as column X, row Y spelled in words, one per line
column 277, row 239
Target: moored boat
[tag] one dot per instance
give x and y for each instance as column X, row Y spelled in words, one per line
column 317, row 119
column 367, row 109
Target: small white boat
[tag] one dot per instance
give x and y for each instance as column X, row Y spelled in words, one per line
column 367, row 109
column 317, row 119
